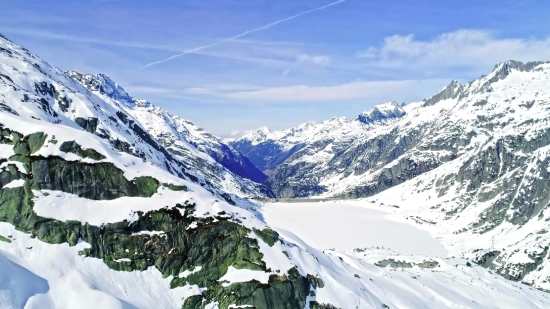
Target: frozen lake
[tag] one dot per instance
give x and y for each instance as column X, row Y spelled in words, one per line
column 344, row 226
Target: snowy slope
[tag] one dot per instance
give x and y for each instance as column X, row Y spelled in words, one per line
column 73, row 274
column 173, row 132
column 350, row 280
column 33, row 88
column 489, row 201
column 468, row 164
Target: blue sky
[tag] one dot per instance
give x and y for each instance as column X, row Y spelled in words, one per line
column 338, row 61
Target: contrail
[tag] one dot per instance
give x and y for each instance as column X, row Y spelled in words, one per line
column 196, row 49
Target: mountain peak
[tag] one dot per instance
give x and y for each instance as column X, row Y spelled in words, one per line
column 116, row 92
column 260, row 133
column 264, row 130
column 103, row 84
column 451, row 91
column 112, row 89
column 503, row 69
column 381, row 113
column 518, row 65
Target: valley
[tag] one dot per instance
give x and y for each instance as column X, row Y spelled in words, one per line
column 441, row 203
column 346, row 225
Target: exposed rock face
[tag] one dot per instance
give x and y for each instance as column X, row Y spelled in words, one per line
column 93, row 181
column 102, row 84
column 80, row 148
column 452, row 91
column 394, row 264
column 405, row 264
column 214, row 242
column 59, row 175
column 419, row 138
column 382, row 113
column 195, row 247
column 74, row 147
column 90, row 124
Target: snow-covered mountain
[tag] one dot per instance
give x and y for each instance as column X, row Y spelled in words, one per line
column 38, row 90
column 174, row 133
column 269, row 149
column 469, row 163
column 94, row 212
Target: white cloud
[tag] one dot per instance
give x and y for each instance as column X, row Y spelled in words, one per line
column 377, row 91
column 218, row 89
column 315, row 59
column 459, row 48
column 237, row 133
column 305, row 59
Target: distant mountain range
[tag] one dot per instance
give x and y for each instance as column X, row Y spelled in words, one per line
column 268, row 149
column 472, row 158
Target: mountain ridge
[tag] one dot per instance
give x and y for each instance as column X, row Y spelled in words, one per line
column 267, row 149
column 469, row 162
column 174, row 128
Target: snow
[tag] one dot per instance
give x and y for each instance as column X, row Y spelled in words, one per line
column 213, row 305
column 504, row 113
column 234, row 275
column 14, row 184
column 490, row 113
column 347, row 225
column 520, row 257
column 34, row 274
column 186, row 273
column 191, row 143
column 131, row 165
column 65, row 206
column 6, row 151
column 307, row 132
column 149, row 233
column 90, row 281
column 19, row 165
column 352, row 281
column 18, row 284
column 55, row 276
column 19, row 91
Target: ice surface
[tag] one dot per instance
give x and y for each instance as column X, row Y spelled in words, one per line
column 342, row 225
